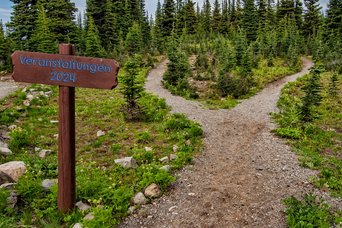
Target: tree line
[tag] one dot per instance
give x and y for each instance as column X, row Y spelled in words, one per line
column 116, row 28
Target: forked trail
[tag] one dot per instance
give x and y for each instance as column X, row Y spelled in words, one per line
column 243, row 174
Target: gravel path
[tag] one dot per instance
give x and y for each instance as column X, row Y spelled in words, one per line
column 6, row 88
column 243, row 173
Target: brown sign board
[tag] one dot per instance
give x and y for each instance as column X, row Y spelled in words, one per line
column 65, row 70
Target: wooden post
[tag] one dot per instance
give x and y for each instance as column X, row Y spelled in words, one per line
column 66, row 146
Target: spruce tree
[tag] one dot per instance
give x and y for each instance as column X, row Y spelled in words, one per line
column 206, row 18
column 134, row 39
column 3, row 49
column 216, row 19
column 43, row 38
column 93, row 42
column 169, row 17
column 110, row 36
column 334, row 18
column 249, row 22
column 312, row 20
column 190, row 17
column 22, row 23
column 61, row 14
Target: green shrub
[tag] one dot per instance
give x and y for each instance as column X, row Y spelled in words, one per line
column 311, row 212
column 20, row 138
column 290, row 133
column 4, row 194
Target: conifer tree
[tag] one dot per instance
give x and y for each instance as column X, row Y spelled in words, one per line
column 3, row 49
column 157, row 36
column 206, row 18
column 42, row 37
column 22, row 23
column 61, row 14
column 216, row 19
column 190, row 17
column 311, row 17
column 93, row 42
column 334, row 18
column 249, row 22
column 298, row 13
column 224, row 28
column 169, row 17
column 111, row 30
column 134, row 39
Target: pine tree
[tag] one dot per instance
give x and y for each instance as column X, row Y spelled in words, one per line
column 80, row 35
column 111, row 30
column 42, row 37
column 157, row 37
column 224, row 28
column 22, row 23
column 93, row 42
column 61, row 14
column 262, row 13
column 96, row 10
column 169, row 17
column 131, row 89
column 298, row 13
column 312, row 95
column 312, row 20
column 190, row 16
column 216, row 19
column 249, row 22
column 3, row 49
column 134, row 39
column 206, row 18
column 334, row 18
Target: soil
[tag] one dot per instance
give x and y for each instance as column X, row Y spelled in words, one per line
column 243, row 174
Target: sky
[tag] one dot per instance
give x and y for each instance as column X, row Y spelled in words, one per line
column 5, row 7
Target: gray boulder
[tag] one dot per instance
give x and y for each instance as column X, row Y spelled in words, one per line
column 14, row 169
column 139, row 199
column 128, row 162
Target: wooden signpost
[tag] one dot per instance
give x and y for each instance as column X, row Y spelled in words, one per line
column 67, row 71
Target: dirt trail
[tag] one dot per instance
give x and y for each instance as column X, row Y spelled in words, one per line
column 243, row 173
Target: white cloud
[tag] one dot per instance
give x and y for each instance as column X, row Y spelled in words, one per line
column 5, row 14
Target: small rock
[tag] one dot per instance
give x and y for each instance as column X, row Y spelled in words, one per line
column 139, row 199
column 148, row 149
column 166, row 168
column 43, row 153
column 12, row 127
column 30, row 97
column 5, row 151
column 191, row 194
column 8, row 186
column 131, row 209
column 40, row 119
column 82, row 206
column 48, row 183
column 173, row 157
column 77, row 225
column 100, row 133
column 37, row 149
column 48, row 93
column 175, row 148
column 188, row 142
column 89, row 216
column 164, row 160
column 12, row 199
column 152, row 191
column 2, row 144
column 127, row 162
column 24, row 90
column 14, row 169
column 55, row 136
column 54, row 121
column 171, row 208
column 26, row 103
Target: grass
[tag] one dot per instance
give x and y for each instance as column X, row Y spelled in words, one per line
column 209, row 95
column 107, row 187
column 318, row 143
